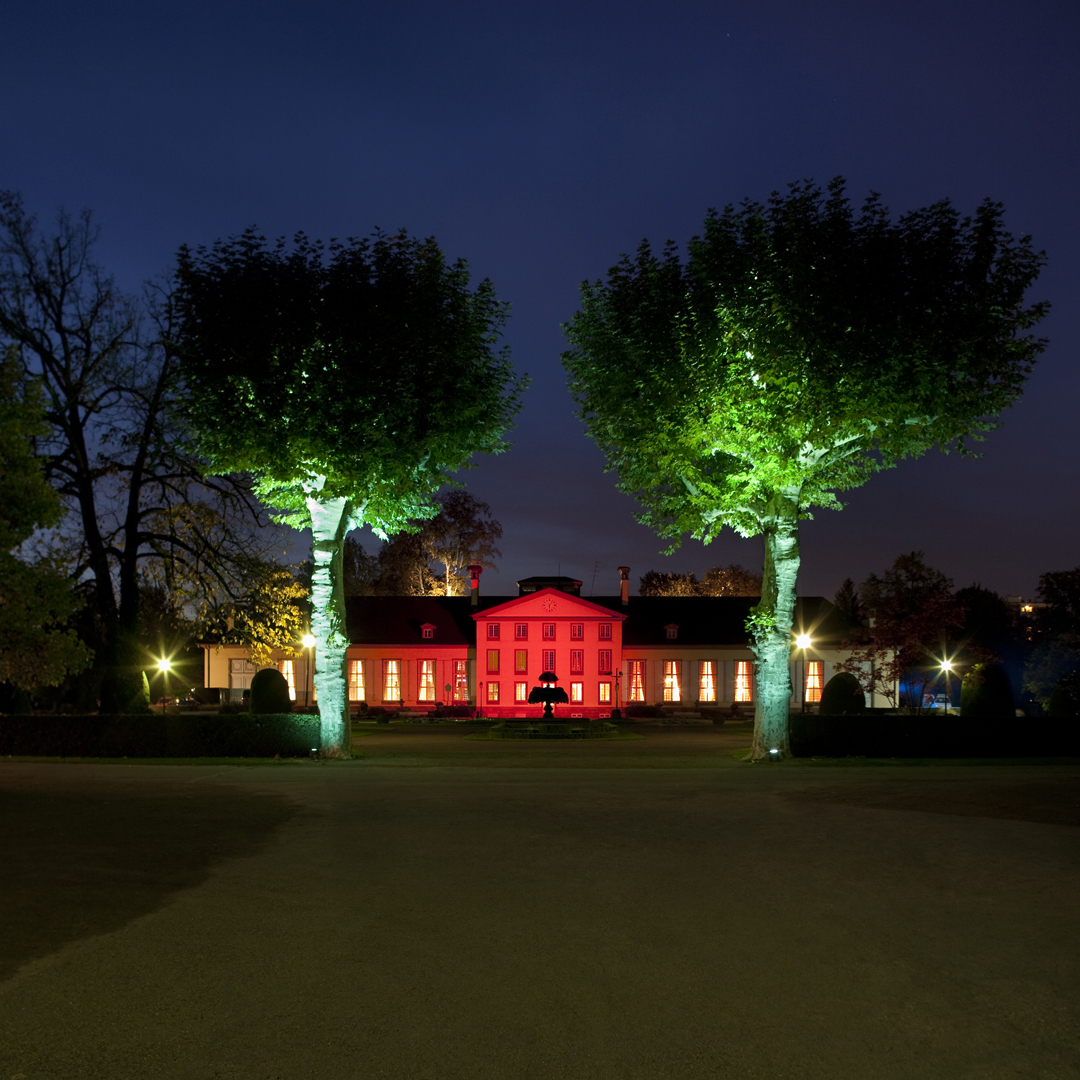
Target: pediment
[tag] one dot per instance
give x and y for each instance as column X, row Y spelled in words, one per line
column 549, row 604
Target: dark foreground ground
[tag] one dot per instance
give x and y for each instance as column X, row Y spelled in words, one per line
column 444, row 909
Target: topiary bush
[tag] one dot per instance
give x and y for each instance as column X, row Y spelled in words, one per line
column 985, row 692
column 842, row 696
column 269, row 692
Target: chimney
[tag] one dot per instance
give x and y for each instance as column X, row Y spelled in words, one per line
column 624, row 584
column 475, row 570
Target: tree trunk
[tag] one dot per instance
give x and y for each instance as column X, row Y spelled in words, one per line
column 329, row 524
column 773, row 619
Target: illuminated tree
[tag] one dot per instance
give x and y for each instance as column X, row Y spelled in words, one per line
column 730, row 580
column 461, row 533
column 799, row 348
column 349, row 381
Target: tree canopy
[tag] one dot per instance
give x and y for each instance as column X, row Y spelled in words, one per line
column 366, row 370
column 37, row 647
column 730, row 580
column 350, row 380
column 801, row 346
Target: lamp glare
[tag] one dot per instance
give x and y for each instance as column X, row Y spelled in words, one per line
column 803, row 641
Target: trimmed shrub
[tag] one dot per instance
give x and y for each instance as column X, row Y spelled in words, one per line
column 929, row 737
column 154, row 735
column 270, row 693
column 842, row 696
column 985, row 692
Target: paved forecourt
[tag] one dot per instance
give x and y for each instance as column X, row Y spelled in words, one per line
column 411, row 918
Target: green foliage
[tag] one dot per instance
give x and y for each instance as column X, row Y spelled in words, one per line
column 800, row 347
column 842, row 695
column 985, row 692
column 270, row 692
column 154, row 735
column 366, row 370
column 37, row 648
column 349, row 381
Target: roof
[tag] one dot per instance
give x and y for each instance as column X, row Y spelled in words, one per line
column 702, row 620
column 718, row 620
column 397, row 620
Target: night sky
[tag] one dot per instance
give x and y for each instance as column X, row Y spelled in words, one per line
column 540, row 142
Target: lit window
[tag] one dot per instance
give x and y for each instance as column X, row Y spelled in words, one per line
column 493, row 631
column 671, row 681
column 493, row 661
column 604, row 662
column 815, row 672
column 356, row 680
column 549, row 631
column 493, row 693
column 605, row 631
column 577, row 661
column 577, row 691
column 461, row 681
column 707, row 680
column 744, row 680
column 605, row 693
column 288, row 669
column 637, row 680
column 521, row 661
column 521, row 630
column 577, row 631
column 427, row 681
column 521, row 692
column 391, row 680
column 549, row 659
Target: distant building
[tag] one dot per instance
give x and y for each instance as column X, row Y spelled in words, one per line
column 417, row 652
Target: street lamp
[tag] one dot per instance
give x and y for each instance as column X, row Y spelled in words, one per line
column 946, row 667
column 308, row 641
column 616, row 715
column 164, row 666
column 803, row 642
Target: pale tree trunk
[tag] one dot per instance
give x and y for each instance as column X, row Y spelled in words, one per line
column 773, row 620
column 329, row 524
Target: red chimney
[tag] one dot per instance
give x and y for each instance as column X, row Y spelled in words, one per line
column 475, row 570
column 624, row 584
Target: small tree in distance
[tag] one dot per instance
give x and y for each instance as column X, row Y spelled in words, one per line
column 800, row 348
column 730, row 580
column 913, row 622
column 349, row 380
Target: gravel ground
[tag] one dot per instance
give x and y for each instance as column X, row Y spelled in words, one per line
column 436, row 912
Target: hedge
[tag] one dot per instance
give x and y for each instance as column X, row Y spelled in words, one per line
column 172, row 735
column 931, row 736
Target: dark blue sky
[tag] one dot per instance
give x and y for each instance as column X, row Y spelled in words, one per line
column 540, row 141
